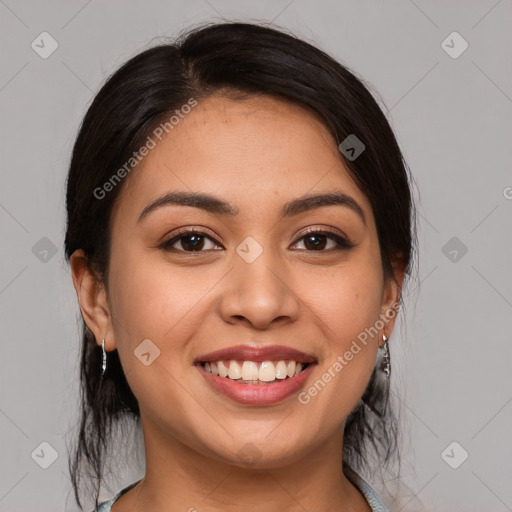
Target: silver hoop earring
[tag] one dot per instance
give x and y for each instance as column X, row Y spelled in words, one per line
column 386, row 363
column 104, row 362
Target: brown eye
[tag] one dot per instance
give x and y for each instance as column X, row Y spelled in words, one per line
column 197, row 241
column 189, row 241
column 319, row 240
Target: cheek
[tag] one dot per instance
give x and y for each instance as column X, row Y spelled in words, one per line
column 349, row 312
column 157, row 302
column 151, row 301
column 347, row 300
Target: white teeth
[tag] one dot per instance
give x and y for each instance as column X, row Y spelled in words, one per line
column 266, row 371
column 250, row 370
column 291, row 368
column 235, row 370
column 223, row 370
column 281, row 370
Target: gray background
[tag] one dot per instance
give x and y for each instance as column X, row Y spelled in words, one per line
column 453, row 119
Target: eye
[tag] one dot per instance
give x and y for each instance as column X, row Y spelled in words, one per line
column 197, row 241
column 190, row 241
column 315, row 240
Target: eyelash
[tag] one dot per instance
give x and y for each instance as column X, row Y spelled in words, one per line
column 343, row 244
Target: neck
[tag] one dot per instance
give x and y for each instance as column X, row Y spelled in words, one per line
column 179, row 478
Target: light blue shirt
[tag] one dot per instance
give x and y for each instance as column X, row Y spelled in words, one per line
column 374, row 501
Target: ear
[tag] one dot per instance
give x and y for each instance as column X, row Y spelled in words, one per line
column 92, row 298
column 391, row 294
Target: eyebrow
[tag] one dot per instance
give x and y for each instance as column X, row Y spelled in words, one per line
column 215, row 205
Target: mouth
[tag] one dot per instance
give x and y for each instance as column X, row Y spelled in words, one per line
column 253, row 372
column 250, row 375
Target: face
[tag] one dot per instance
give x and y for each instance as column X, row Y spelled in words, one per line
column 308, row 278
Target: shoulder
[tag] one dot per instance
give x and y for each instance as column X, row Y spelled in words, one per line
column 105, row 506
column 373, row 499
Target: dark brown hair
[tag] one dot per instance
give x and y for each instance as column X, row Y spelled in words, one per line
column 249, row 59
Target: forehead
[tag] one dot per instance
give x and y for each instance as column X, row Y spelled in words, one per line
column 256, row 153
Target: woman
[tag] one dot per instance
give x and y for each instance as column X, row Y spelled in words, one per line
column 240, row 226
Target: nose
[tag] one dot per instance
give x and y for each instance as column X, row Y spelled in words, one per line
column 259, row 294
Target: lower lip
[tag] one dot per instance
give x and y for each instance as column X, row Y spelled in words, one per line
column 257, row 394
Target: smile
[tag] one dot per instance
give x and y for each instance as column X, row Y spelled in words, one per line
column 252, row 372
column 271, row 387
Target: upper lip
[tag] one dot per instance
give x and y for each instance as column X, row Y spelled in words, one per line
column 257, row 354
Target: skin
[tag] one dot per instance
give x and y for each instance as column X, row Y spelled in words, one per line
column 255, row 154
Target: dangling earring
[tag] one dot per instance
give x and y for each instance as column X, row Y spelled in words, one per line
column 386, row 363
column 104, row 362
